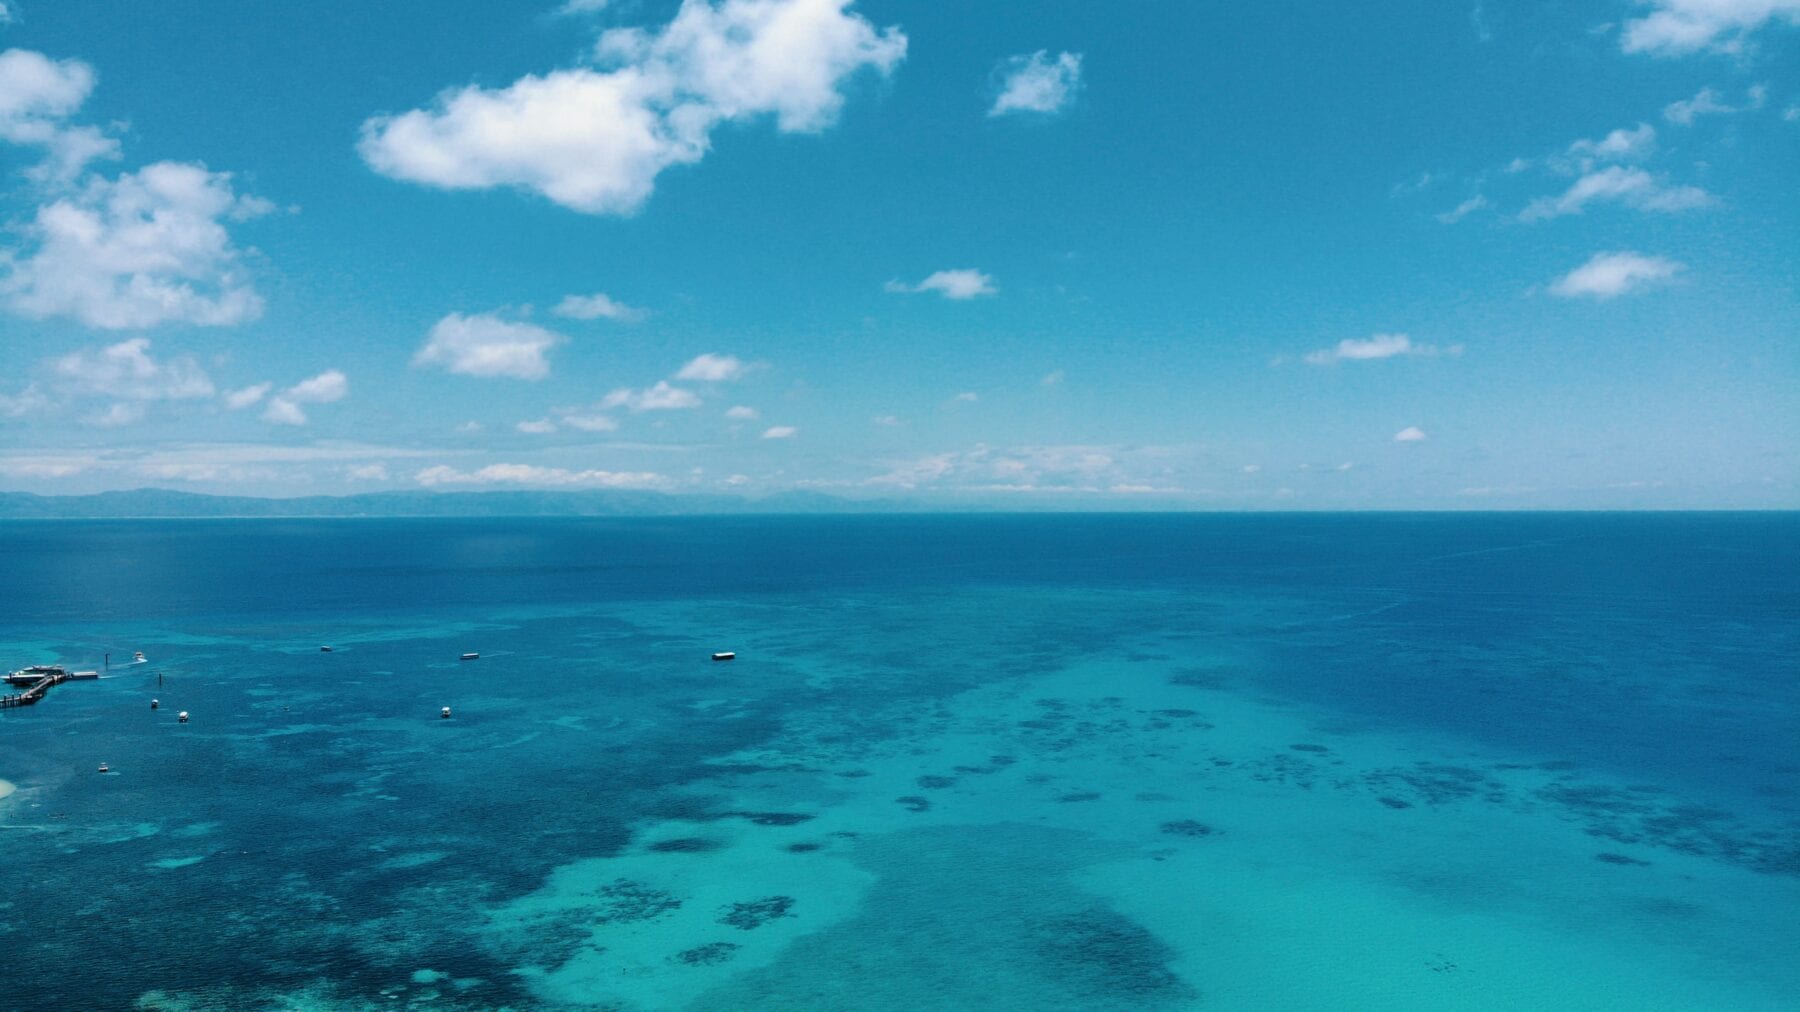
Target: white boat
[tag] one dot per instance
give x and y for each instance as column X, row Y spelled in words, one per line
column 104, row 768
column 725, row 655
column 445, row 714
column 471, row 657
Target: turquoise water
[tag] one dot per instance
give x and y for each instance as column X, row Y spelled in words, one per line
column 1451, row 762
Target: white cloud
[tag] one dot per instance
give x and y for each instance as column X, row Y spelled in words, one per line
column 1704, row 103
column 1463, row 210
column 661, row 397
column 117, row 415
column 325, row 388
column 37, row 94
column 711, row 368
column 468, row 428
column 780, row 432
column 6, row 16
column 1608, row 275
column 485, row 345
column 582, row 6
column 966, row 397
column 127, row 371
column 587, row 422
column 962, row 283
column 237, row 400
column 1036, row 82
column 1632, row 187
column 1678, row 27
column 24, row 402
column 595, row 139
column 1410, row 434
column 144, row 249
column 888, row 421
column 742, row 412
column 539, row 427
column 368, row 472
column 529, row 474
column 1377, row 346
column 282, row 411
column 1621, row 145
column 598, row 306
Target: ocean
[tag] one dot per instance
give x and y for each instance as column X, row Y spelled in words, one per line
column 1313, row 761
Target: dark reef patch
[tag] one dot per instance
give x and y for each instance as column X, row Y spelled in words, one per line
column 623, row 900
column 775, row 818
column 1394, row 802
column 1080, row 796
column 934, row 782
column 756, row 913
column 1187, row 827
column 1305, row 747
column 803, row 848
column 1109, row 958
column 710, row 954
column 685, row 845
column 914, row 803
column 1611, row 858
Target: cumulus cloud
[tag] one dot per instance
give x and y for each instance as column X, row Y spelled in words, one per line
column 1621, row 145
column 539, row 427
column 742, row 413
column 780, row 432
column 661, row 397
column 711, row 368
column 1378, row 346
column 368, row 472
column 1070, row 468
column 325, row 388
column 1632, row 187
column 127, row 371
column 281, row 411
column 147, row 248
column 962, row 283
column 486, row 345
column 598, row 306
column 1410, row 434
column 37, row 95
column 1679, row 27
column 1704, row 103
column 532, row 475
column 594, row 139
column 1608, row 275
column 1037, row 82
column 237, row 400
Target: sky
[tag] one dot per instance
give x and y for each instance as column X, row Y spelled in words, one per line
column 1272, row 255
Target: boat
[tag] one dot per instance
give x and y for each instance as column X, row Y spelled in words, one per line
column 725, row 655
column 445, row 713
column 471, row 657
column 137, row 657
column 181, row 717
column 154, row 703
column 105, row 768
column 324, row 650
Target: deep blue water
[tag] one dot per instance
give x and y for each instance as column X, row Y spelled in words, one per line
column 1566, row 709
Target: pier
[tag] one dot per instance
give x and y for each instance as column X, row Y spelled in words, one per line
column 37, row 681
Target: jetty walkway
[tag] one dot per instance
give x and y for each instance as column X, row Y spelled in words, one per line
column 38, row 680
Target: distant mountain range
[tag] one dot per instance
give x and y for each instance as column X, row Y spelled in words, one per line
column 157, row 502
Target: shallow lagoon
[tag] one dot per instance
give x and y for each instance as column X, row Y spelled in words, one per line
column 1048, row 762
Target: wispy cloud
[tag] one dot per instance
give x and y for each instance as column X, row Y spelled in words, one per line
column 325, row 388
column 1632, row 187
column 1410, row 434
column 1378, row 346
column 961, row 283
column 542, row 477
column 1463, row 210
column 1609, row 275
column 128, row 371
column 661, row 397
column 242, row 398
column 711, row 368
column 741, row 412
column 1679, row 27
column 598, row 306
column 1036, row 83
column 594, row 139
column 780, row 432
column 1704, row 103
column 486, row 345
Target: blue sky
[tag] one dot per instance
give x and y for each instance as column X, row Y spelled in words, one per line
column 1274, row 255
